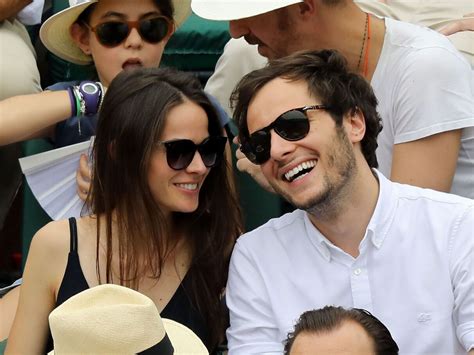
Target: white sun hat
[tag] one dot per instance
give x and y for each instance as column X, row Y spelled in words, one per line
column 55, row 31
column 227, row 10
column 112, row 319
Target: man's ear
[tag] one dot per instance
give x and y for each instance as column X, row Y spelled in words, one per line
column 355, row 125
column 307, row 8
column 80, row 35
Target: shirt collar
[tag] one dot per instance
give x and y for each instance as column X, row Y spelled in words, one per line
column 383, row 214
column 377, row 228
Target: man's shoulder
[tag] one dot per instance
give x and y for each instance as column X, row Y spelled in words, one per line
column 432, row 200
column 413, row 40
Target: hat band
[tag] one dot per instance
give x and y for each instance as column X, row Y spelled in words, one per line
column 164, row 347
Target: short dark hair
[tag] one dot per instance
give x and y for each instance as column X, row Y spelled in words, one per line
column 328, row 78
column 330, row 318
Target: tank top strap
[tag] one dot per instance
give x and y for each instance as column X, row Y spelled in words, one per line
column 73, row 234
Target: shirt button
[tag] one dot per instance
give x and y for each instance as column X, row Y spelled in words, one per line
column 357, row 271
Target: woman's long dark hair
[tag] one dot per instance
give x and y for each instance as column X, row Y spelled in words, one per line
column 130, row 122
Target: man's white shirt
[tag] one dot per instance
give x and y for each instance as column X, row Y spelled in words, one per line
column 414, row 273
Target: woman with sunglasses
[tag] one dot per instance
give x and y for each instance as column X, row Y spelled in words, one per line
column 165, row 217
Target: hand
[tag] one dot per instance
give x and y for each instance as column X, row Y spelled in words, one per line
column 83, row 178
column 466, row 24
column 245, row 165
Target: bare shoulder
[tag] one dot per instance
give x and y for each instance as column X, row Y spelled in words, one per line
column 47, row 258
column 53, row 237
column 50, row 246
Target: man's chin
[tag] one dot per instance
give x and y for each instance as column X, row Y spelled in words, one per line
column 265, row 52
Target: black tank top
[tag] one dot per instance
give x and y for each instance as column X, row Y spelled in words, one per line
column 179, row 308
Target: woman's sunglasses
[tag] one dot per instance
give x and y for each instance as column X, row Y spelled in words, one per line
column 152, row 30
column 180, row 153
column 291, row 125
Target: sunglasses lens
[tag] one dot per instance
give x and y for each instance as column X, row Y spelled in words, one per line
column 257, row 149
column 154, row 30
column 180, row 153
column 211, row 150
column 112, row 33
column 292, row 125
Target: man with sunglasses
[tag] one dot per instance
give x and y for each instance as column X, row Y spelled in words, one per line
column 356, row 239
column 423, row 84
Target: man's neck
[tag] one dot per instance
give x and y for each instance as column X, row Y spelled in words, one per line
column 345, row 29
column 347, row 228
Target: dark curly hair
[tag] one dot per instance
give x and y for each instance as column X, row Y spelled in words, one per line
column 328, row 78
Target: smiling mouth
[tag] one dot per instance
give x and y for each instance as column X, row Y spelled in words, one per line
column 300, row 170
column 190, row 187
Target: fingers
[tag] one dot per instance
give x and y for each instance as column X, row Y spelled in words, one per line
column 83, row 178
column 242, row 162
column 246, row 166
column 450, row 29
column 466, row 24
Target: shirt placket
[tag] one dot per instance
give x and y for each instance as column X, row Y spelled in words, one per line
column 360, row 286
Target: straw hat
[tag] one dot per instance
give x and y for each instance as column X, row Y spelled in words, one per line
column 227, row 10
column 112, row 319
column 54, row 32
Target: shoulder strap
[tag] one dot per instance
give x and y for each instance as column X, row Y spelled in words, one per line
column 73, row 234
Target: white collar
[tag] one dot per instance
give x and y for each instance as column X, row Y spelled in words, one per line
column 377, row 228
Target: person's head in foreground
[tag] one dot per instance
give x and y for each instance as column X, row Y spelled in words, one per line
column 112, row 319
column 160, row 183
column 335, row 330
column 311, row 125
column 114, row 35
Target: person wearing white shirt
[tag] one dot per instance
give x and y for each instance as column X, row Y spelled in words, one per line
column 401, row 252
column 423, row 84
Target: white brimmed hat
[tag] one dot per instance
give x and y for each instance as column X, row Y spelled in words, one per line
column 227, row 10
column 112, row 319
column 55, row 31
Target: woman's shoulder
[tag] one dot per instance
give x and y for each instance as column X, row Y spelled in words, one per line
column 53, row 237
column 48, row 252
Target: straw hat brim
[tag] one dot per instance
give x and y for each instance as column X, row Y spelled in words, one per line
column 184, row 340
column 56, row 37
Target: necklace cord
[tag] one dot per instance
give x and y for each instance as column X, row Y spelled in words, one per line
column 366, row 55
column 363, row 40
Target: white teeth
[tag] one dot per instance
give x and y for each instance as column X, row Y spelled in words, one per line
column 188, row 186
column 299, row 177
column 298, row 168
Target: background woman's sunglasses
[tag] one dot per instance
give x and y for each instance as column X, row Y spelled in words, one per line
column 180, row 152
column 152, row 30
column 291, row 125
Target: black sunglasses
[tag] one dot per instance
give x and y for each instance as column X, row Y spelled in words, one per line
column 291, row 125
column 180, row 152
column 152, row 30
